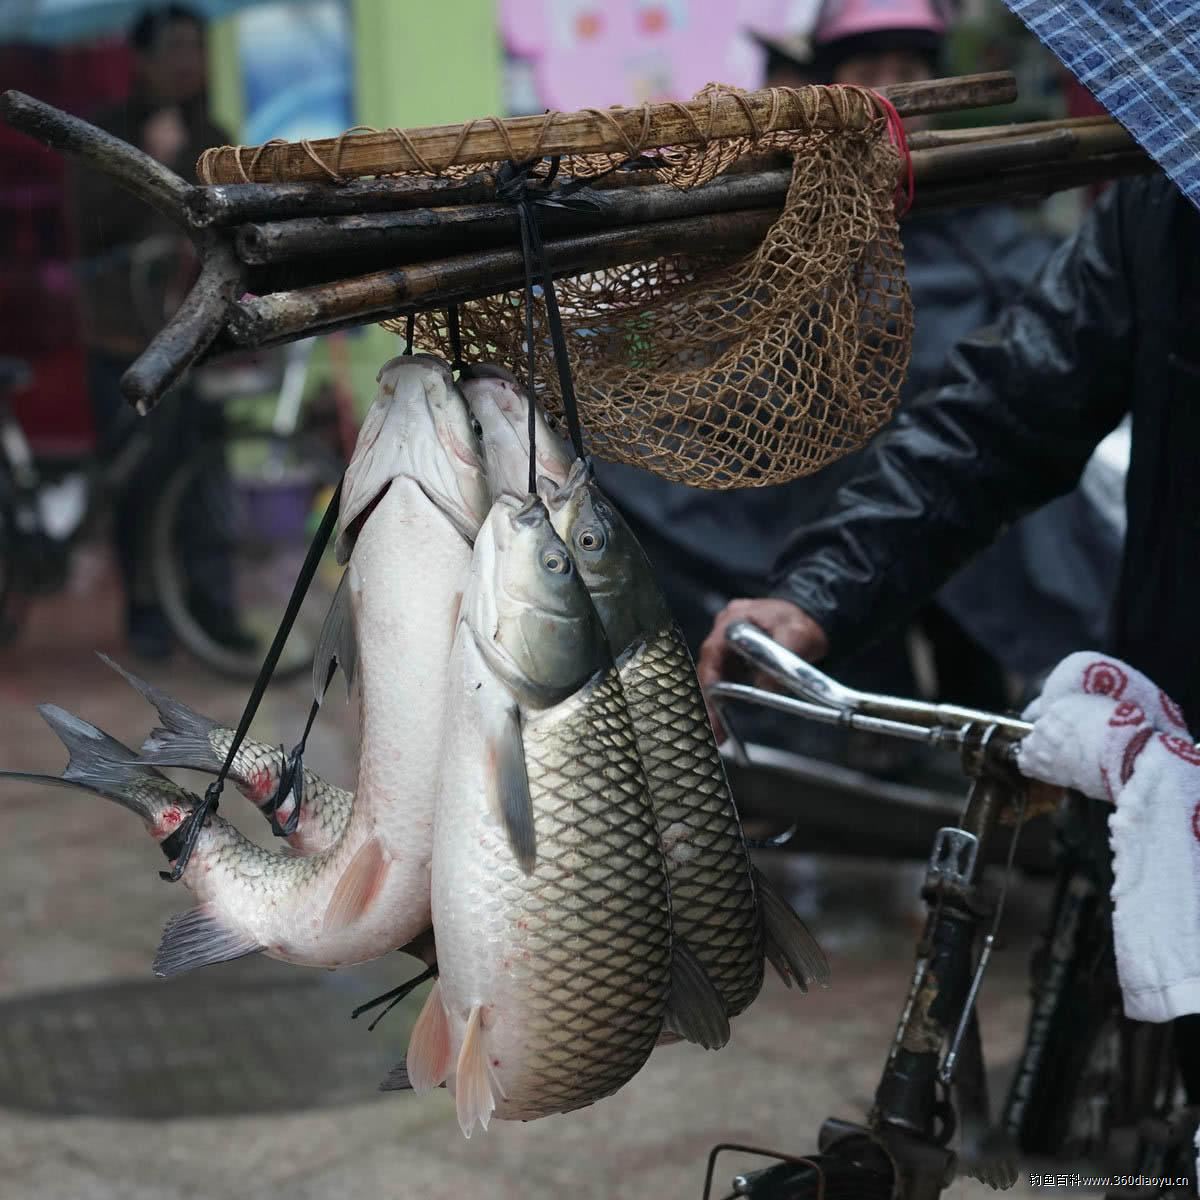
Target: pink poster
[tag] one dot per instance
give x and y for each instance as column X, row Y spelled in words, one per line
column 568, row 54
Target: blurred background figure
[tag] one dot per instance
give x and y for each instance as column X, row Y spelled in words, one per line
column 136, row 268
column 963, row 267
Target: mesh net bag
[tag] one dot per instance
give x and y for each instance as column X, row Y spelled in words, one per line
column 720, row 369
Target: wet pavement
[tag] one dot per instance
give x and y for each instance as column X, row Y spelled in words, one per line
column 249, row 1080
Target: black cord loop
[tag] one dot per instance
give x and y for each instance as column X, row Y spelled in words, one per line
column 456, row 363
column 187, row 833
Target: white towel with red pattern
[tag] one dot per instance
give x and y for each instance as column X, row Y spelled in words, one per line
column 1106, row 730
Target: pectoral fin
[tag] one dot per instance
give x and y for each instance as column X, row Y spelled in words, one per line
column 198, row 938
column 791, row 949
column 695, row 1010
column 429, row 1057
column 509, row 782
column 358, row 886
column 337, row 643
column 474, row 1086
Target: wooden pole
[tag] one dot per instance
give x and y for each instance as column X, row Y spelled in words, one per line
column 614, row 130
column 234, row 203
column 142, row 175
column 409, row 237
column 384, row 294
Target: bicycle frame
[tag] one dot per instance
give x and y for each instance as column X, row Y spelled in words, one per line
column 937, row 1043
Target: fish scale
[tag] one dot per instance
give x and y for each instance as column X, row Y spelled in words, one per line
column 594, row 1007
column 687, row 782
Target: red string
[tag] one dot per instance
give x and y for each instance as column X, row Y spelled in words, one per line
column 906, row 189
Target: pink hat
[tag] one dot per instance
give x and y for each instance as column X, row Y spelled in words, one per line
column 851, row 18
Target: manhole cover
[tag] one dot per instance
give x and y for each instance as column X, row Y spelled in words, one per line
column 242, row 1038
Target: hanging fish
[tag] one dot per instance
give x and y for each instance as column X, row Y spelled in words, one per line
column 251, row 900
column 551, row 902
column 413, row 498
column 187, row 739
column 724, row 908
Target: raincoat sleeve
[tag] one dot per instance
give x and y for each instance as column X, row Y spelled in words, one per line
column 1024, row 403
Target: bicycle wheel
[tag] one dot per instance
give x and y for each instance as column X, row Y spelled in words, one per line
column 231, row 532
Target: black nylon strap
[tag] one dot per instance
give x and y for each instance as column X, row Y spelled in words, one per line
column 189, row 831
column 519, row 187
column 455, row 338
column 409, row 332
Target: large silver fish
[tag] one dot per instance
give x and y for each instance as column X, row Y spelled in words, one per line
column 724, row 908
column 251, row 900
column 413, row 497
column 550, row 896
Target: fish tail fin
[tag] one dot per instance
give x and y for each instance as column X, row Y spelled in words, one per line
column 96, row 763
column 174, row 714
column 397, row 1079
column 199, row 938
column 474, row 1084
column 790, row 948
column 429, row 1054
column 183, row 738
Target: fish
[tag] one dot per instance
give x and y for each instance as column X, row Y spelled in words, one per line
column 724, row 908
column 501, row 406
column 187, row 739
column 552, row 909
column 251, row 900
column 414, row 495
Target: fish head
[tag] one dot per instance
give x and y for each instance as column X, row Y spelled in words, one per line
column 501, row 406
column 527, row 607
column 418, row 427
column 610, row 560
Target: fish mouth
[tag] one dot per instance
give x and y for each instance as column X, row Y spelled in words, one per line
column 486, row 371
column 531, row 514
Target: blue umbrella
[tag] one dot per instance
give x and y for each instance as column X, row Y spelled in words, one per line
column 55, row 21
column 1141, row 60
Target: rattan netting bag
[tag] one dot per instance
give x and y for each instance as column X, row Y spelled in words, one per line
column 730, row 369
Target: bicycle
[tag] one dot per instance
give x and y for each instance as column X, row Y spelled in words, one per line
column 230, row 529
column 933, row 1086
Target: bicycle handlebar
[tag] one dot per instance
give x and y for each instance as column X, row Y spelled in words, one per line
column 818, row 697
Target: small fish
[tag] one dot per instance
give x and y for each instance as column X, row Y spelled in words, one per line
column 251, row 900
column 551, row 902
column 724, row 908
column 187, row 739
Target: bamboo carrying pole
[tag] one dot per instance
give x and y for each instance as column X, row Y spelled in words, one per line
column 420, row 234
column 398, row 292
column 593, row 131
column 324, row 256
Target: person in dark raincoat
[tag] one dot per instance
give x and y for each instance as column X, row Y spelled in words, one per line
column 1109, row 329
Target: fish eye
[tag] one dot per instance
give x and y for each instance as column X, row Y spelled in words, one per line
column 558, row 564
column 475, row 425
column 590, row 539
